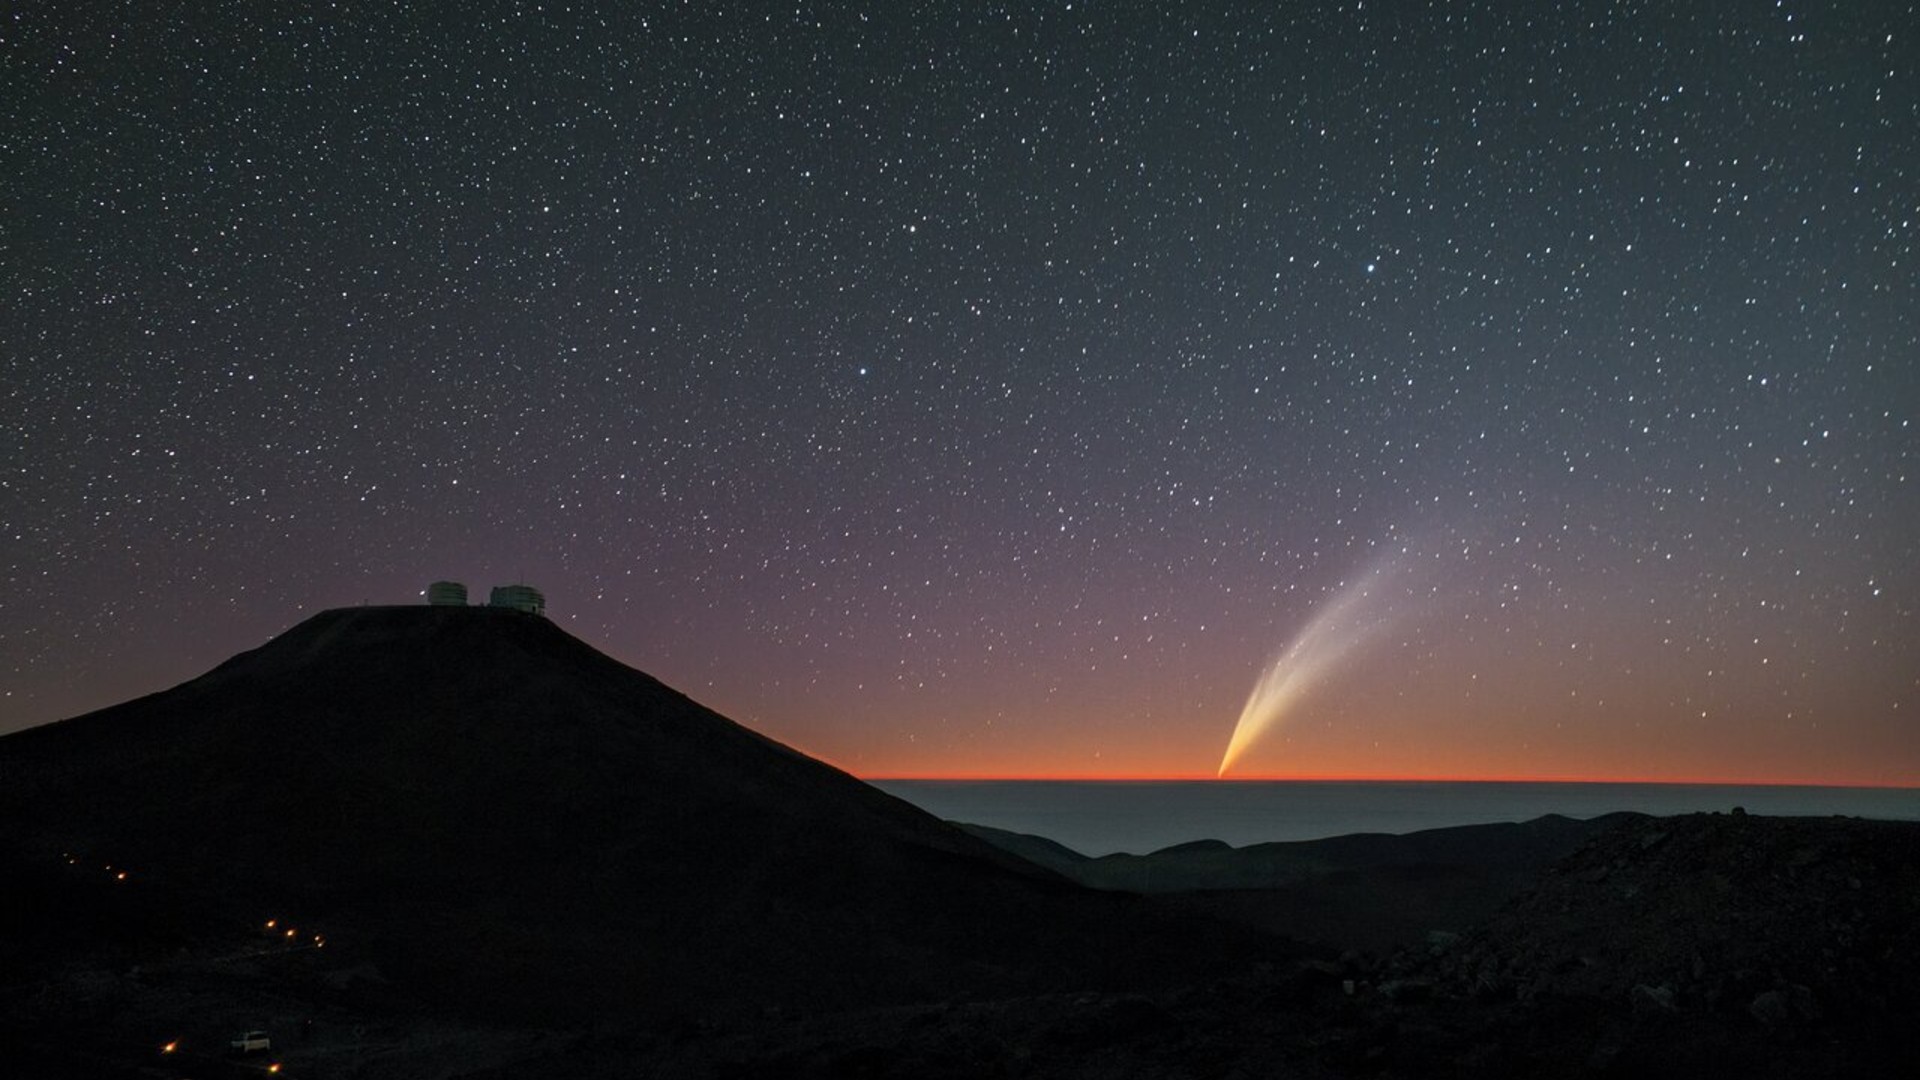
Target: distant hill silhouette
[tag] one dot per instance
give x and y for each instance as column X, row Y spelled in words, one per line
column 1213, row 864
column 516, row 824
column 1368, row 891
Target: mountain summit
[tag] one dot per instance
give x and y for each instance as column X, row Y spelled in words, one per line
column 510, row 820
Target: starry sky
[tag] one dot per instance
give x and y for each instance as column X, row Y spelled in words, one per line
column 970, row 389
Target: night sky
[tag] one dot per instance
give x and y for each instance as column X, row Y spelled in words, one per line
column 997, row 390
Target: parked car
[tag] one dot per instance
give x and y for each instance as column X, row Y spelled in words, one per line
column 250, row 1042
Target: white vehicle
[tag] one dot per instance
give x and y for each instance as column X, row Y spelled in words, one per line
column 250, row 1042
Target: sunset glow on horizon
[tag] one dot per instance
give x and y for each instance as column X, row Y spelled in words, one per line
column 1901, row 784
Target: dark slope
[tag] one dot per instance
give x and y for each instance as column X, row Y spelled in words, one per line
column 1371, row 891
column 1212, row 864
column 510, row 820
column 1037, row 850
column 1685, row 947
column 1722, row 909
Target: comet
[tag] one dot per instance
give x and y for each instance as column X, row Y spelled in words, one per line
column 1355, row 618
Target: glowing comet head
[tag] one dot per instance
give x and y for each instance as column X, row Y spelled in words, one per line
column 1354, row 618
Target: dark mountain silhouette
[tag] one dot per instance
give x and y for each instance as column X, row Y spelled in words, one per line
column 1214, row 864
column 511, row 822
column 531, row 861
column 1370, row 891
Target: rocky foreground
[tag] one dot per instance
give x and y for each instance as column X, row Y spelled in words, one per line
column 1705, row 945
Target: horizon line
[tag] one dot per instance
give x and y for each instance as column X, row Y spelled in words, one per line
column 1199, row 777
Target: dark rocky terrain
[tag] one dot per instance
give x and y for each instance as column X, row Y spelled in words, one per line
column 1364, row 891
column 487, row 850
column 508, row 825
column 1790, row 946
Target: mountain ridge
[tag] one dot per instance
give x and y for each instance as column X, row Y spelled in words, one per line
column 497, row 808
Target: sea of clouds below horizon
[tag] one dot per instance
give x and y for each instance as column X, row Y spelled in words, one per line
column 1103, row 817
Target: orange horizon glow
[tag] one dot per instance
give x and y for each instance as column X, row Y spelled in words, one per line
column 1348, row 765
column 1409, row 778
column 1436, row 729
